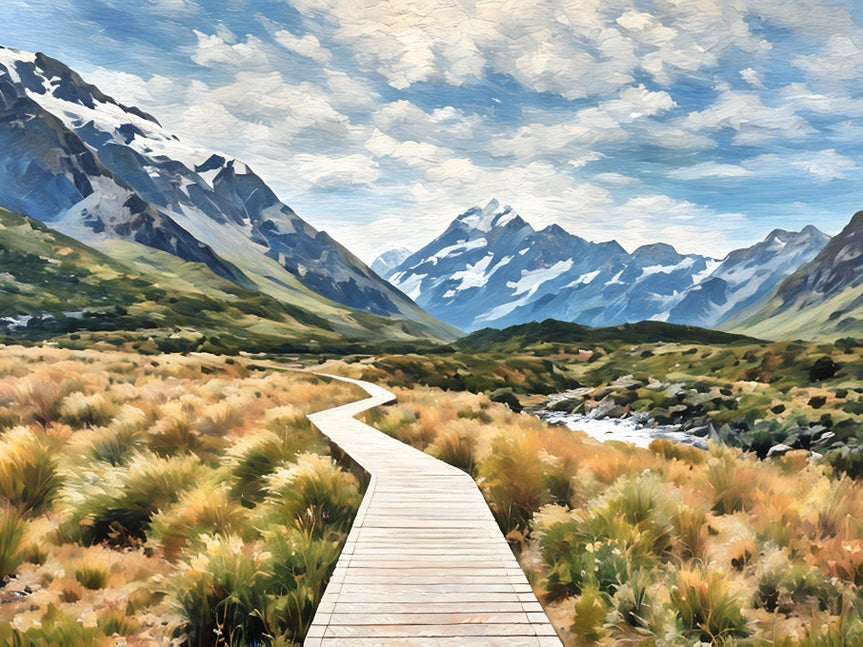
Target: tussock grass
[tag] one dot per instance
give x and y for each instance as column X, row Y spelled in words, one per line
column 12, row 529
column 667, row 545
column 153, row 499
column 29, row 478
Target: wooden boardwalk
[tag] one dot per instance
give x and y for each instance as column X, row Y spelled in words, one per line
column 425, row 562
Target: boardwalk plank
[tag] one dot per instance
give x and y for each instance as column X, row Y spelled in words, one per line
column 424, row 563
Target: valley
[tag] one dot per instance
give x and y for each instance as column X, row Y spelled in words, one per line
column 166, row 321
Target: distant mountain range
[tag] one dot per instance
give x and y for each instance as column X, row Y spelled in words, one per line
column 491, row 268
column 112, row 178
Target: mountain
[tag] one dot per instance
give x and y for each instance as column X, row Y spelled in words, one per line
column 55, row 286
column 111, row 177
column 491, row 268
column 823, row 299
column 490, row 265
column 384, row 264
column 747, row 275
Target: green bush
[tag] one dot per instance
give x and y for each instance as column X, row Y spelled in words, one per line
column 707, row 607
column 116, row 504
column 314, row 495
column 221, row 592
column 29, row 479
column 12, row 529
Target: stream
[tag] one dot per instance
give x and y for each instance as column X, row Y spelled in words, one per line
column 628, row 430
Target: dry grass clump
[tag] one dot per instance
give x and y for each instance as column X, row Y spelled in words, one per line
column 163, row 499
column 668, row 545
column 29, row 477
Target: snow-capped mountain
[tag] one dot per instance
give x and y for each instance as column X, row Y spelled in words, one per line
column 100, row 171
column 491, row 268
column 389, row 260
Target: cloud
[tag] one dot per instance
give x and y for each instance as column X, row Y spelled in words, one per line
column 754, row 122
column 307, row 45
column 753, row 77
column 826, row 165
column 213, row 50
column 838, row 63
column 709, row 170
column 327, row 172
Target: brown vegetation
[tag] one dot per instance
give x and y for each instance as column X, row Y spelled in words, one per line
column 163, row 498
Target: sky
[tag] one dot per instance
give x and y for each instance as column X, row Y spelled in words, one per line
column 701, row 123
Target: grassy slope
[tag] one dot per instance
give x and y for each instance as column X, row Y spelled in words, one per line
column 837, row 317
column 182, row 306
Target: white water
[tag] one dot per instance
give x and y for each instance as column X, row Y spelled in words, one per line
column 626, row 430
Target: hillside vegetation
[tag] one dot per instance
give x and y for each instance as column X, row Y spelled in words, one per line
column 157, row 499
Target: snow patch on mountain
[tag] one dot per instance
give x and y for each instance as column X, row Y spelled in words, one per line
column 531, row 280
column 554, row 274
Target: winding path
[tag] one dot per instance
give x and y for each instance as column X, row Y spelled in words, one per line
column 425, row 562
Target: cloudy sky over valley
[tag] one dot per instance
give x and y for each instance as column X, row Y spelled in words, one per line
column 703, row 123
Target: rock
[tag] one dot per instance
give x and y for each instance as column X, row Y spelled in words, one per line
column 778, row 450
column 700, row 432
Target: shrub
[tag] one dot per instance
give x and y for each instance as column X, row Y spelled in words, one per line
column 29, row 479
column 221, row 593
column 512, row 477
column 91, row 576
column 53, row 627
column 115, row 505
column 301, row 567
column 80, row 410
column 456, row 445
column 707, row 605
column 12, row 528
column 314, row 495
column 204, row 510
column 250, row 460
column 590, row 609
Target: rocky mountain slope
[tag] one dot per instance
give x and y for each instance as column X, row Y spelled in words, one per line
column 106, row 174
column 823, row 299
column 491, row 268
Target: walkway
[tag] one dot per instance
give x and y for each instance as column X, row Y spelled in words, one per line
column 425, row 562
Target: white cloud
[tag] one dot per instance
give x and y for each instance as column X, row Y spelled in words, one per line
column 754, row 122
column 412, row 153
column 838, row 63
column 709, row 170
column 574, row 49
column 214, row 50
column 321, row 171
column 173, row 8
column 307, row 45
column 826, row 165
column 753, row 77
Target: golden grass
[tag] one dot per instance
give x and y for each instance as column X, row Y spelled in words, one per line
column 666, row 545
column 119, row 472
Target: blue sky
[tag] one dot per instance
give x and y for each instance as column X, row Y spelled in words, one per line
column 702, row 123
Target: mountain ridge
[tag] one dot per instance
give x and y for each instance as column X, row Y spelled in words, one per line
column 107, row 172
column 473, row 275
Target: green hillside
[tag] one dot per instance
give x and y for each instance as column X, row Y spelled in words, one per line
column 560, row 336
column 56, row 287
